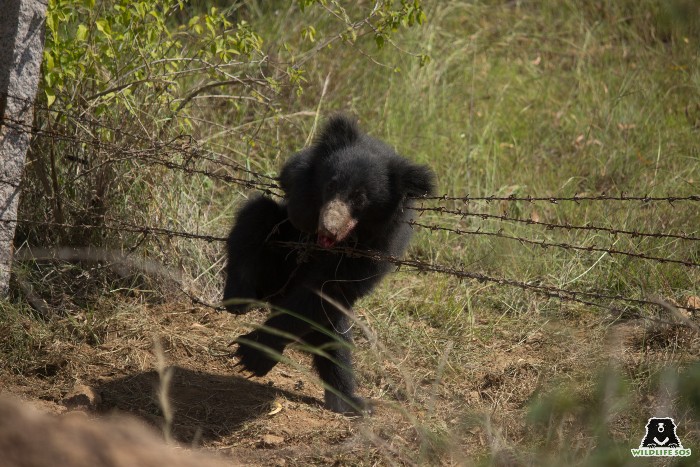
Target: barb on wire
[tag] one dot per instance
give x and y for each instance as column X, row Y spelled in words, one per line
column 550, row 226
column 565, row 246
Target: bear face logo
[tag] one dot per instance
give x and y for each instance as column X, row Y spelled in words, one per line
column 661, row 433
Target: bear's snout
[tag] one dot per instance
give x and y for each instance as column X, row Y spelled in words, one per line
column 335, row 223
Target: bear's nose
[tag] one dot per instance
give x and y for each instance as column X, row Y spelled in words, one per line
column 335, row 222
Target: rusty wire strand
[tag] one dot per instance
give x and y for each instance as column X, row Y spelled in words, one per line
column 269, row 187
column 121, row 227
column 413, row 264
column 565, row 246
column 127, row 227
column 556, row 199
column 150, row 155
column 550, row 226
column 83, row 119
column 421, row 266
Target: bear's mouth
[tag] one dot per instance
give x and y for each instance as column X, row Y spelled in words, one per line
column 324, row 241
column 334, row 223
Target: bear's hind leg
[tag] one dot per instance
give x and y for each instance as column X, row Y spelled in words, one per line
column 333, row 361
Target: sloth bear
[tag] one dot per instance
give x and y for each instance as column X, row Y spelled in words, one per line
column 346, row 190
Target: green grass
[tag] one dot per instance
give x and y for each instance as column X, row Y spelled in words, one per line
column 551, row 100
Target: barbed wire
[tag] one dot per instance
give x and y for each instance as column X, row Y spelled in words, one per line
column 421, row 266
column 85, row 120
column 188, row 149
column 121, row 227
column 150, row 155
column 550, row 226
column 270, row 186
column 556, row 199
column 545, row 244
column 146, row 230
column 413, row 264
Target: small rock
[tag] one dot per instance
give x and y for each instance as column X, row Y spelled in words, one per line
column 272, row 440
column 82, row 397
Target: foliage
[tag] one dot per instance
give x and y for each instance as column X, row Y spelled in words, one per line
column 139, row 55
column 135, row 54
column 121, row 78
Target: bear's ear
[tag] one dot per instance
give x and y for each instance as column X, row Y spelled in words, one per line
column 340, row 131
column 413, row 180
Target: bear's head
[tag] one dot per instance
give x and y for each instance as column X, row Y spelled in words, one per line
column 349, row 183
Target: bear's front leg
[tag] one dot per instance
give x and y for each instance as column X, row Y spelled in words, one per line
column 261, row 349
column 247, row 270
column 256, row 353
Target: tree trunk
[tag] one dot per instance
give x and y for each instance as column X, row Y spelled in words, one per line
column 22, row 24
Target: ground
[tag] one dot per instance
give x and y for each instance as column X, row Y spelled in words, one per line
column 473, row 406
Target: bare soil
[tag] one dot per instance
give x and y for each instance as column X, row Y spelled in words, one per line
column 473, row 405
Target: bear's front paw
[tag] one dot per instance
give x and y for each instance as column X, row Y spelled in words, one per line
column 349, row 405
column 254, row 355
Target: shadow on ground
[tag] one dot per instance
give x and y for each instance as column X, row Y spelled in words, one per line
column 206, row 407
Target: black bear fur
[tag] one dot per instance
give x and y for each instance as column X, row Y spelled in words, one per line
column 347, row 189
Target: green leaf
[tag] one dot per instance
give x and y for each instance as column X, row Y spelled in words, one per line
column 50, row 96
column 81, row 34
column 51, row 22
column 103, row 26
column 48, row 62
column 308, row 32
column 379, row 39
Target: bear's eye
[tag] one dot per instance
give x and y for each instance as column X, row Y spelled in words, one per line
column 331, row 186
column 359, row 197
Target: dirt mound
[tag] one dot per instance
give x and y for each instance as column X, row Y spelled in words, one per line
column 29, row 438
